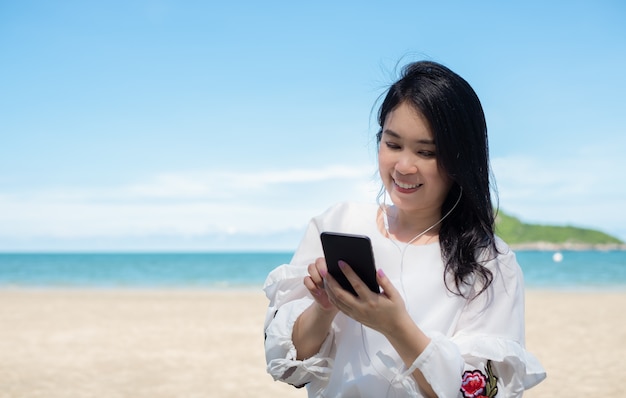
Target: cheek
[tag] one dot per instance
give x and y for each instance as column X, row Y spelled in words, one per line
column 444, row 180
column 383, row 161
column 384, row 171
column 435, row 174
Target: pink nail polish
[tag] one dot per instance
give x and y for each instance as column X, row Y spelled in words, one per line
column 381, row 273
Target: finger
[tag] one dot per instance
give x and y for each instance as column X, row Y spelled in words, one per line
column 330, row 285
column 315, row 275
column 318, row 293
column 357, row 283
column 310, row 285
column 341, row 298
column 388, row 288
column 332, row 288
column 320, row 264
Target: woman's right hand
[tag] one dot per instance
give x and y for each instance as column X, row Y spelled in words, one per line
column 312, row 326
column 314, row 282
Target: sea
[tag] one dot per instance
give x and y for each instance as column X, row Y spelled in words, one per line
column 566, row 270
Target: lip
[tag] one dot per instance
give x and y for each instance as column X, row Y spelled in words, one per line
column 404, row 187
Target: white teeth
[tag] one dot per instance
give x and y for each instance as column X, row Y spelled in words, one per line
column 406, row 186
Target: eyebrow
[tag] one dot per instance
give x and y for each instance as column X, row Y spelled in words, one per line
column 398, row 136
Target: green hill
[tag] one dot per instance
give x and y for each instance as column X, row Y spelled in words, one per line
column 515, row 232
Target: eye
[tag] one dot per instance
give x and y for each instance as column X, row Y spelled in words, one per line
column 392, row 145
column 426, row 154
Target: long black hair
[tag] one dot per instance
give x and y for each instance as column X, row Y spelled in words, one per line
column 457, row 121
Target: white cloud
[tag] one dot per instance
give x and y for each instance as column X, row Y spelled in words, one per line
column 226, row 184
column 205, row 185
column 583, row 189
column 184, row 204
column 586, row 191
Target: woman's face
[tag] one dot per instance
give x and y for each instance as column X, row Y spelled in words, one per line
column 407, row 162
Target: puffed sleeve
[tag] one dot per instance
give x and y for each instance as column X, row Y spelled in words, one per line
column 288, row 298
column 485, row 355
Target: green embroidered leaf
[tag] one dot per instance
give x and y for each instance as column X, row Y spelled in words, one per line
column 491, row 388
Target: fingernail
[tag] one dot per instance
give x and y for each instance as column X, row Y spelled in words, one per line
column 342, row 264
column 381, row 273
column 323, row 273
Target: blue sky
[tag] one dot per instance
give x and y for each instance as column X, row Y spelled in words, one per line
column 183, row 125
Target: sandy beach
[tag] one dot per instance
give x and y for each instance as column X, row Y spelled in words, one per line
column 177, row 343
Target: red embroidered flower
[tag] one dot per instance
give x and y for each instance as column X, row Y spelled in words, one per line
column 473, row 384
column 476, row 385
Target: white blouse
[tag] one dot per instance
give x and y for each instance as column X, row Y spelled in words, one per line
column 476, row 348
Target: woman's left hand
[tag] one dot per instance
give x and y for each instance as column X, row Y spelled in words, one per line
column 379, row 311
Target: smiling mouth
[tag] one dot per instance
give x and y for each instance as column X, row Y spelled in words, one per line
column 407, row 186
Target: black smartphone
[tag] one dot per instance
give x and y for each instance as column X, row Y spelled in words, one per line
column 356, row 250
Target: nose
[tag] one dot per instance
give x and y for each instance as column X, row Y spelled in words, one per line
column 406, row 164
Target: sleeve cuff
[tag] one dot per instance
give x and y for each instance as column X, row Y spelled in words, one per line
column 440, row 360
column 281, row 353
column 525, row 367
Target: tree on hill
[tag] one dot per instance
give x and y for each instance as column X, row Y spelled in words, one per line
column 514, row 231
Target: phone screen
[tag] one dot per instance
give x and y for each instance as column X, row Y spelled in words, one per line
column 356, row 250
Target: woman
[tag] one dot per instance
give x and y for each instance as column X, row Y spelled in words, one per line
column 449, row 320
